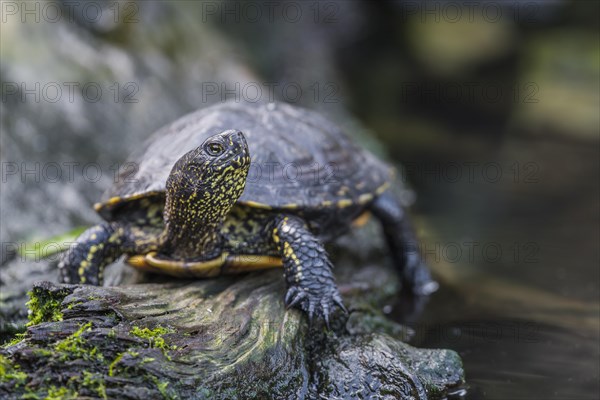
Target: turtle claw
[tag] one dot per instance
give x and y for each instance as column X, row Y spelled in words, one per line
column 289, row 295
column 325, row 309
column 311, row 311
column 294, row 297
column 316, row 303
column 338, row 302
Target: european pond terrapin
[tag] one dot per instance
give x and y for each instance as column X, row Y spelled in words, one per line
column 238, row 187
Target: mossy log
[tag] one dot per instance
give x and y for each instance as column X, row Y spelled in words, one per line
column 227, row 338
column 224, row 338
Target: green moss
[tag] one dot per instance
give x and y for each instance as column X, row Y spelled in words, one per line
column 95, row 383
column 61, row 393
column 154, row 337
column 72, row 305
column 74, row 346
column 15, row 340
column 45, row 306
column 162, row 387
column 30, row 395
column 10, row 372
column 111, row 367
column 41, row 352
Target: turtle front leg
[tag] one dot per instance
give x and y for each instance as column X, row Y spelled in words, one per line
column 307, row 269
column 403, row 244
column 94, row 249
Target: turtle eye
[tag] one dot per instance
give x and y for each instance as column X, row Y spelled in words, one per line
column 214, row 148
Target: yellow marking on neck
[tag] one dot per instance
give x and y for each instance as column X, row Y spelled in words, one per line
column 344, row 203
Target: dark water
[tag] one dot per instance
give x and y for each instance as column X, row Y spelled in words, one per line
column 526, row 321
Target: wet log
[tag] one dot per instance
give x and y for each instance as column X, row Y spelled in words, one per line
column 225, row 338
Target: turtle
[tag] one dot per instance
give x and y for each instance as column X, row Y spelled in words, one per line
column 237, row 187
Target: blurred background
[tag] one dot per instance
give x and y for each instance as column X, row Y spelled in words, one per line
column 491, row 107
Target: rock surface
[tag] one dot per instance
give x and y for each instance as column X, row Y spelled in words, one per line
column 226, row 339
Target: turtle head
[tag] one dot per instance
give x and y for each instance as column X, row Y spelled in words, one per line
column 221, row 163
column 202, row 187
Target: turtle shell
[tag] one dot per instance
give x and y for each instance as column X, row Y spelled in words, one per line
column 299, row 159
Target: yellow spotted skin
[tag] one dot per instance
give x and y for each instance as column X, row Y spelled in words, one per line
column 194, row 214
column 84, row 262
column 308, row 270
column 182, row 223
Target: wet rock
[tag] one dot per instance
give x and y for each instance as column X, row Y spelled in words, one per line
column 376, row 366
